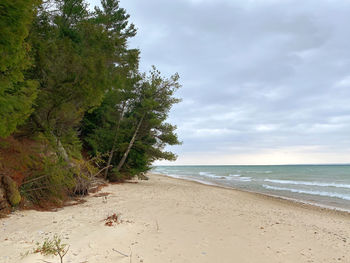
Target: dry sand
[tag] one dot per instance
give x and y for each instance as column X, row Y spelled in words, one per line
column 171, row 220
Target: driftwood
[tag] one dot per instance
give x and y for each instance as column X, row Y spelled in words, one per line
column 86, row 182
column 142, row 176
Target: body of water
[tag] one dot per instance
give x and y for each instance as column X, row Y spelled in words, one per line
column 324, row 185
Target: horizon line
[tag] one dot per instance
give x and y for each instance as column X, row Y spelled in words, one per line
column 296, row 164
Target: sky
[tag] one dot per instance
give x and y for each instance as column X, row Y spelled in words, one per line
column 263, row 81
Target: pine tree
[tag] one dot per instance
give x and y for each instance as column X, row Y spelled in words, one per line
column 151, row 133
column 71, row 56
column 16, row 92
column 142, row 133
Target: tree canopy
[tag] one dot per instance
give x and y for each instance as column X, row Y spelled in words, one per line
column 17, row 92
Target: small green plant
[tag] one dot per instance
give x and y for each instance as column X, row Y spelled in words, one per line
column 53, row 246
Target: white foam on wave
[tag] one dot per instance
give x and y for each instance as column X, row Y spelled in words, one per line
column 214, row 176
column 191, row 179
column 300, row 191
column 308, row 183
column 241, row 178
column 207, row 174
column 245, row 179
column 259, row 172
column 235, row 177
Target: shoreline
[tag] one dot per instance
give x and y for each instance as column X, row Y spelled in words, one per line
column 172, row 220
column 303, row 203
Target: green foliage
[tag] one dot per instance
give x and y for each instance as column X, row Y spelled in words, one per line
column 71, row 72
column 72, row 144
column 116, row 176
column 52, row 181
column 17, row 93
column 78, row 57
column 148, row 100
column 53, row 246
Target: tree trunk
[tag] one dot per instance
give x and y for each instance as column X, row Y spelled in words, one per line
column 62, row 152
column 114, row 145
column 111, row 154
column 131, row 143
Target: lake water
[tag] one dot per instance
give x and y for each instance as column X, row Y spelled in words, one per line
column 323, row 185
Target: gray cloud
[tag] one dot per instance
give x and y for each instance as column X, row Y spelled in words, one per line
column 258, row 76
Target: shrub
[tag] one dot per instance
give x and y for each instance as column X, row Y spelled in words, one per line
column 116, row 176
column 52, row 182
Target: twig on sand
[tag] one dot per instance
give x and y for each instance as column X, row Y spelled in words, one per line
column 120, row 253
column 60, row 252
column 157, row 225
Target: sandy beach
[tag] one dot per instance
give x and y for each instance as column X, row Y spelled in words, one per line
column 171, row 220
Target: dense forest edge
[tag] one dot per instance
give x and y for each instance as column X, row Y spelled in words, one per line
column 75, row 109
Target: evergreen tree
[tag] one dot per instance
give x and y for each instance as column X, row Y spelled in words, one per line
column 143, row 132
column 151, row 133
column 17, row 93
column 71, row 54
column 79, row 56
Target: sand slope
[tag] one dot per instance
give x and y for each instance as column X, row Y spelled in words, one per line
column 170, row 220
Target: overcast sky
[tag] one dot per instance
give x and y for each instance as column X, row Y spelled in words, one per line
column 263, row 81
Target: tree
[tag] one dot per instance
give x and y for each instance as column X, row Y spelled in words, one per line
column 71, row 56
column 151, row 111
column 79, row 57
column 123, row 62
column 16, row 93
column 143, row 133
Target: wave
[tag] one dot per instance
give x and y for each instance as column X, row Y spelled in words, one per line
column 241, row 178
column 245, row 179
column 299, row 191
column 235, row 177
column 207, row 174
column 308, row 183
column 259, row 172
column 191, row 179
